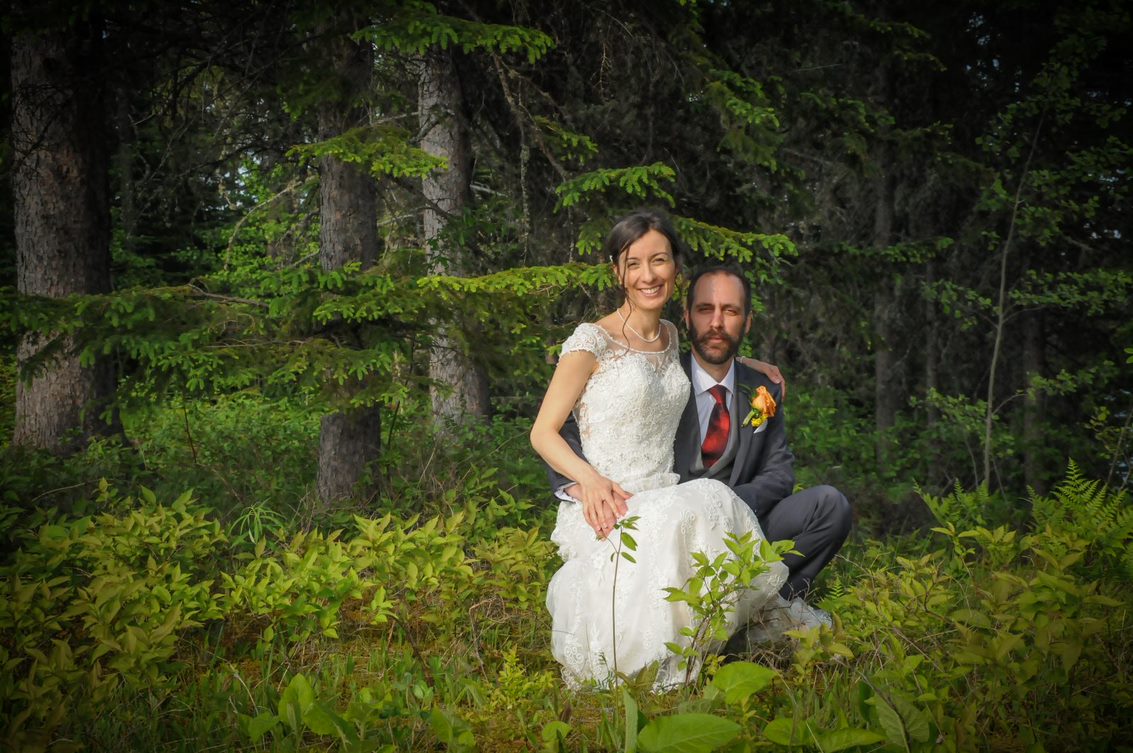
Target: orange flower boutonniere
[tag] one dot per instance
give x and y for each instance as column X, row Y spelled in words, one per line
column 763, row 407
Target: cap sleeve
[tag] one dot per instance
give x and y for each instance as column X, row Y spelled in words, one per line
column 587, row 337
column 674, row 335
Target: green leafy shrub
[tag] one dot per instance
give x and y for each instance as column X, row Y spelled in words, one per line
column 398, row 569
column 95, row 602
column 513, row 566
column 32, row 480
column 714, row 588
column 1034, row 639
column 437, row 472
column 886, row 474
column 1002, row 639
column 970, row 509
column 406, row 633
column 834, row 442
column 236, row 451
column 1090, row 511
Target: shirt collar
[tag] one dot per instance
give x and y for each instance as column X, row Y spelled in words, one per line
column 702, row 381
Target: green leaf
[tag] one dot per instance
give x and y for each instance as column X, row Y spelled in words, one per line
column 740, row 680
column 260, row 725
column 687, row 733
column 295, row 700
column 451, row 730
column 631, row 722
column 972, row 617
column 844, row 739
column 317, row 718
column 784, row 731
column 916, row 720
column 890, row 722
column 554, row 736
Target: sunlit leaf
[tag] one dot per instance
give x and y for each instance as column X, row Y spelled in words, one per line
column 687, row 733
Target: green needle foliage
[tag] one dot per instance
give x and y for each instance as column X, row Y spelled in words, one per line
column 341, row 338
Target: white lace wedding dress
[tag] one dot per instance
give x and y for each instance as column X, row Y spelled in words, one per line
column 627, row 417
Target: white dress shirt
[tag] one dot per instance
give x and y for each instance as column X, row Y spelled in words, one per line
column 702, row 381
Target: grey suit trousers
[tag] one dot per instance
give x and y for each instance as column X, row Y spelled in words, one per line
column 817, row 520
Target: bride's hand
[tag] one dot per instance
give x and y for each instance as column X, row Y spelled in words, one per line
column 603, row 502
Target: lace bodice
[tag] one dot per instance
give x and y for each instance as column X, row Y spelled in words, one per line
column 630, row 408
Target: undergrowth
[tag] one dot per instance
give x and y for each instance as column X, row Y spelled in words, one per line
column 147, row 617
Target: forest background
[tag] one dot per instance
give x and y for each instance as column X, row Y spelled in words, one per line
column 283, row 287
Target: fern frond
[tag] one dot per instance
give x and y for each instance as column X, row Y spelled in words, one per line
column 966, row 510
column 1087, row 509
column 1127, row 564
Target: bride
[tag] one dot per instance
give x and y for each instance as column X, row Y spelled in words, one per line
column 622, row 379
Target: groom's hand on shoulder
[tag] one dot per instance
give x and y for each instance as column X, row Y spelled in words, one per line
column 769, row 370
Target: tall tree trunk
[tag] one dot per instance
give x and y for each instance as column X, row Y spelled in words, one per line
column 884, row 360
column 460, row 386
column 62, row 221
column 932, row 344
column 887, row 395
column 349, row 440
column 124, row 164
column 1032, row 402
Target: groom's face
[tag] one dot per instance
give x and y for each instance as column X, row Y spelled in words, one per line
column 718, row 318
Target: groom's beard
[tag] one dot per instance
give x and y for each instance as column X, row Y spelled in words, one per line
column 715, row 346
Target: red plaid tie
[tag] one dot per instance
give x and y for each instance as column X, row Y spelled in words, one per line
column 719, row 425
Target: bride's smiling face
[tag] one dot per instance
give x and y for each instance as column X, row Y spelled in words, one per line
column 648, row 271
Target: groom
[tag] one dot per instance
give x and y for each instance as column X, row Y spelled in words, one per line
column 711, row 443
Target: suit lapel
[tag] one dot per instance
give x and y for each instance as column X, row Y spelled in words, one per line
column 739, row 411
column 686, row 451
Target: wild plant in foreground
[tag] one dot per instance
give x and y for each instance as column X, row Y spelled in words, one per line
column 713, row 591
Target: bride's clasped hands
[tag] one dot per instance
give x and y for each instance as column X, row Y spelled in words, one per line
column 603, row 502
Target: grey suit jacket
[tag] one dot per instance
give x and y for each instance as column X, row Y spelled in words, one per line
column 761, row 469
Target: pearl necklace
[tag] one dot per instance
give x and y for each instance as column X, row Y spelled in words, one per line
column 640, row 336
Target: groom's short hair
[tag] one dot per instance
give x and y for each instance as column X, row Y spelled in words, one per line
column 716, row 269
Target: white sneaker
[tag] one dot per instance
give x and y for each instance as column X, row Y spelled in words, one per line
column 781, row 615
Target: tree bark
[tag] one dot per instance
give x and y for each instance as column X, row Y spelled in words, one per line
column 460, row 386
column 886, row 392
column 1032, row 402
column 124, row 162
column 932, row 344
column 62, row 224
column 884, row 361
column 349, row 440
